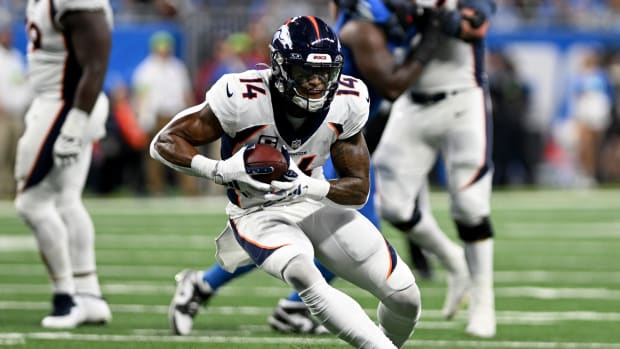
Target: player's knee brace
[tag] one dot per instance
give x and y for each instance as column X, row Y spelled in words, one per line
column 471, row 233
column 301, row 272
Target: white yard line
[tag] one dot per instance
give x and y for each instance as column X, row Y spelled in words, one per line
column 271, row 291
column 503, row 317
column 558, row 293
column 22, row 338
column 501, row 276
column 17, row 243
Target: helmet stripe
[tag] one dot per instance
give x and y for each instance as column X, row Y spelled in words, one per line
column 316, row 26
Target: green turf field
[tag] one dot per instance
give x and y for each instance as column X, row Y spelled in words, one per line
column 557, row 278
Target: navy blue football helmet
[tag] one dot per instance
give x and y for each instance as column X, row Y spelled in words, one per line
column 303, row 49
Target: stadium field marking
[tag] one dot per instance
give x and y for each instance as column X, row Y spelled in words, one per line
column 12, row 339
column 501, row 276
column 507, row 317
column 296, row 341
column 267, row 291
column 17, row 243
column 518, row 200
column 558, row 293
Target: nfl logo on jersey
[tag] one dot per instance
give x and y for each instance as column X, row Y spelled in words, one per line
column 296, row 143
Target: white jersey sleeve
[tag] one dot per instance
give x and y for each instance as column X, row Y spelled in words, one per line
column 224, row 106
column 356, row 107
column 241, row 100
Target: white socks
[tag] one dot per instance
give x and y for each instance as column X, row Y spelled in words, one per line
column 479, row 256
column 81, row 232
column 344, row 316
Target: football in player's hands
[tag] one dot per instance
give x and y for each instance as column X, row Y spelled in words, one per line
column 265, row 163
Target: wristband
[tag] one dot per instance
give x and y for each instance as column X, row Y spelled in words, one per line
column 318, row 189
column 205, row 167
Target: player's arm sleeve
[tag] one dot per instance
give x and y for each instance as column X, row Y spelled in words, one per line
column 224, row 106
column 359, row 109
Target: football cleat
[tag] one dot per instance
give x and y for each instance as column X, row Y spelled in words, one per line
column 96, row 309
column 66, row 313
column 186, row 302
column 481, row 318
column 294, row 317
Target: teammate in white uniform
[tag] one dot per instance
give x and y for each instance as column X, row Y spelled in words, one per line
column 282, row 226
column 447, row 110
column 371, row 37
column 68, row 52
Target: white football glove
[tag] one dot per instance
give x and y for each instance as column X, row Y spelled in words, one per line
column 299, row 184
column 69, row 143
column 233, row 169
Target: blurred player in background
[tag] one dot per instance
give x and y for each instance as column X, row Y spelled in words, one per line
column 68, row 52
column 280, row 227
column 384, row 81
column 372, row 32
column 447, row 110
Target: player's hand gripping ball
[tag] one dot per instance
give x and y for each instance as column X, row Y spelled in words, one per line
column 265, row 163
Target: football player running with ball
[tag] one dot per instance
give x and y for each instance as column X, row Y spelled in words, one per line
column 282, row 226
column 447, row 110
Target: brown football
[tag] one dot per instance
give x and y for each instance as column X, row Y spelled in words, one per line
column 262, row 155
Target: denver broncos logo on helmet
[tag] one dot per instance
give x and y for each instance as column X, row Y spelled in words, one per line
column 284, row 37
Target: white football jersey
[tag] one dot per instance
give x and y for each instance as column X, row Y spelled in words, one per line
column 455, row 65
column 52, row 66
column 243, row 104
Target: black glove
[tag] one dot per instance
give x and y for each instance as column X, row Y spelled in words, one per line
column 346, row 4
column 450, row 21
column 404, row 15
column 432, row 36
column 476, row 20
column 407, row 12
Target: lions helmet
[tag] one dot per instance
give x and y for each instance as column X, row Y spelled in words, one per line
column 306, row 62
